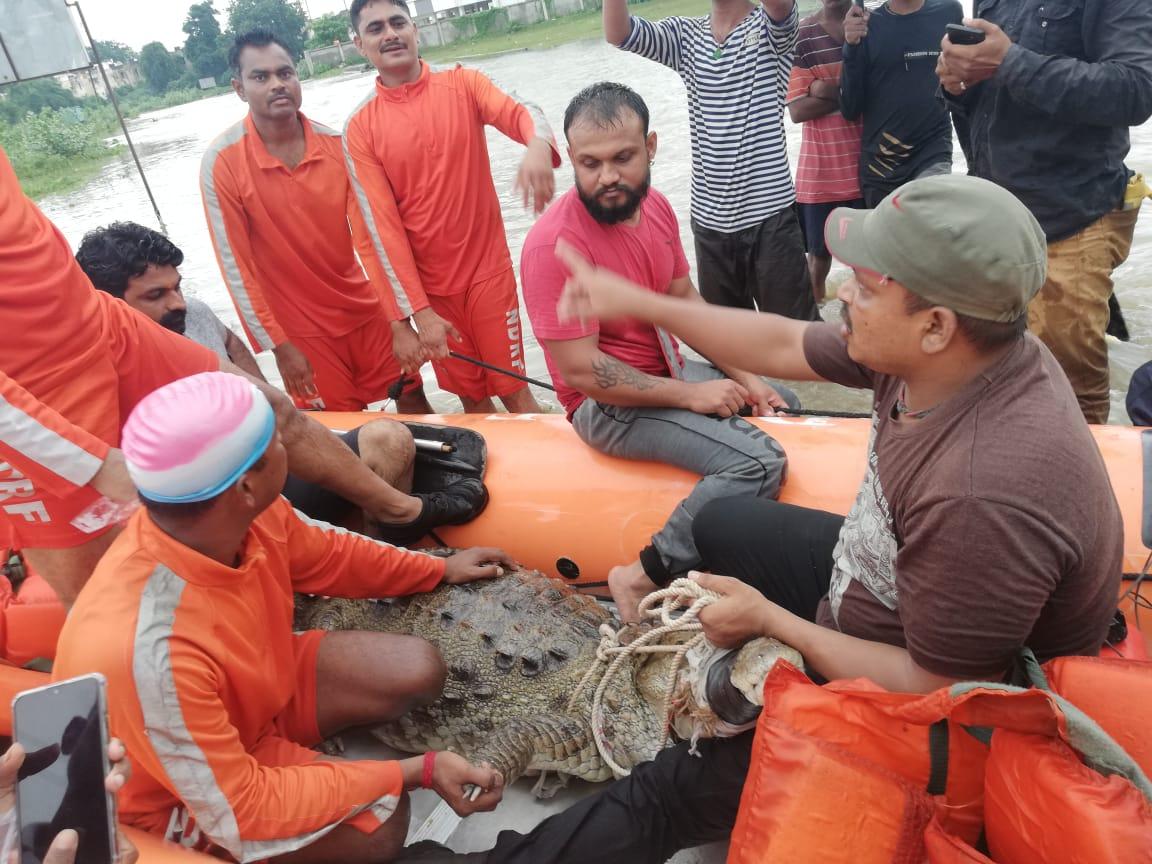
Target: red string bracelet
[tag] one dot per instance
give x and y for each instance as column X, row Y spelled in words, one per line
column 429, row 765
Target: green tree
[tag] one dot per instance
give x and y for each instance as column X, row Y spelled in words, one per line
column 158, row 67
column 117, row 51
column 205, row 47
column 329, row 28
column 285, row 18
column 32, row 97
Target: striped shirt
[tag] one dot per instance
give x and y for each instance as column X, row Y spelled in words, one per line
column 829, row 166
column 736, row 88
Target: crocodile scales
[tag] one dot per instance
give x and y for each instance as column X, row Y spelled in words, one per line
column 516, row 649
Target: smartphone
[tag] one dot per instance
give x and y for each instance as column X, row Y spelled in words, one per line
column 958, row 34
column 63, row 728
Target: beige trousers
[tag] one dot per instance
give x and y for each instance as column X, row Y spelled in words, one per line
column 1071, row 311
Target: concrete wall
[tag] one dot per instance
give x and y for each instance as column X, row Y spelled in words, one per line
column 331, row 55
column 433, row 34
column 85, row 83
column 444, row 30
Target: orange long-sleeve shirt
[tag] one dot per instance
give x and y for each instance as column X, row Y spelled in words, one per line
column 199, row 661
column 53, row 321
column 418, row 161
column 282, row 237
column 44, row 295
column 47, row 450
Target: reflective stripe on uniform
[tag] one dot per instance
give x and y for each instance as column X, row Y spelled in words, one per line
column 366, row 210
column 219, row 232
column 29, row 437
column 185, row 763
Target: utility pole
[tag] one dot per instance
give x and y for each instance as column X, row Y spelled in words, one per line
column 119, row 116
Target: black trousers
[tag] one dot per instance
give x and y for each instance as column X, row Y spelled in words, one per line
column 678, row 800
column 763, row 267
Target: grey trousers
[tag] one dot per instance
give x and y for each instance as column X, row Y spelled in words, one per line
column 734, row 457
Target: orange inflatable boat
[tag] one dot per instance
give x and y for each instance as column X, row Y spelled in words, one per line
column 560, row 507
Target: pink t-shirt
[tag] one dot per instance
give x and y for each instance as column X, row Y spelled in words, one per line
column 829, row 166
column 649, row 254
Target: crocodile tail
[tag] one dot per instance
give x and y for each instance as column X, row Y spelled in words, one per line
column 545, row 743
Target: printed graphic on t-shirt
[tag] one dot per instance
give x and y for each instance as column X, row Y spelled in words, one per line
column 891, row 152
column 866, row 549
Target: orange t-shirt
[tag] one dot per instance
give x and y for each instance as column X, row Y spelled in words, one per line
column 199, row 662
column 285, row 237
column 418, row 160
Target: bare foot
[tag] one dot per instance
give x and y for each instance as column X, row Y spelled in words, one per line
column 629, row 585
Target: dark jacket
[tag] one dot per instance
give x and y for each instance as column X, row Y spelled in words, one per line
column 1052, row 125
column 890, row 80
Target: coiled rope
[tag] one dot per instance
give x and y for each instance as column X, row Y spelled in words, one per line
column 663, row 607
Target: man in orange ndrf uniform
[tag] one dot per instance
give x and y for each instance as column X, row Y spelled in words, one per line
column 279, row 209
column 418, row 161
column 189, row 617
column 82, row 359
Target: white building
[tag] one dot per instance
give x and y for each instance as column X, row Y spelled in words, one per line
column 86, row 83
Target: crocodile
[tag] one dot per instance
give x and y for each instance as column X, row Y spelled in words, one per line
column 517, row 649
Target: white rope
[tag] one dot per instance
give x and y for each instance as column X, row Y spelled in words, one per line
column 663, row 607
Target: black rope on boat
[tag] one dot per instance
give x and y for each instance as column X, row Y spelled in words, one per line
column 398, row 387
column 1132, row 592
column 820, row 412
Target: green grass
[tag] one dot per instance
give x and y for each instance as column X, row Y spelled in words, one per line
column 558, row 31
column 54, row 175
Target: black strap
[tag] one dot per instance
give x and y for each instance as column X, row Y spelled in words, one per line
column 1146, row 520
column 983, row 734
column 938, row 754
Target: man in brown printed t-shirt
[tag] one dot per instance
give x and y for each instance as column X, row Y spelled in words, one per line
column 985, row 522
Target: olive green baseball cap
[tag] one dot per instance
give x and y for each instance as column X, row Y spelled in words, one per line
column 957, row 241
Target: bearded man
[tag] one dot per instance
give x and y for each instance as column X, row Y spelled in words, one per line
column 626, row 388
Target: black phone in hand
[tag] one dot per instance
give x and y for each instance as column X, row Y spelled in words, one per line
column 64, row 730
column 959, row 34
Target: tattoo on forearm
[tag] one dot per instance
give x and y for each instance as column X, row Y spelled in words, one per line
column 610, row 373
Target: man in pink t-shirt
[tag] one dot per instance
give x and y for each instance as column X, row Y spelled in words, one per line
column 626, row 389
column 828, row 173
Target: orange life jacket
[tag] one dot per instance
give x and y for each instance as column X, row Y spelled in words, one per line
column 849, row 773
column 30, row 618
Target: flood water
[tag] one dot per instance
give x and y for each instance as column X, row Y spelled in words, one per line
column 172, row 141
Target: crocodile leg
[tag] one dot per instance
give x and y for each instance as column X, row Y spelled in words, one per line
column 544, row 743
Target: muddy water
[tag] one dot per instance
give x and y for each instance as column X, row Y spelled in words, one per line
column 171, row 143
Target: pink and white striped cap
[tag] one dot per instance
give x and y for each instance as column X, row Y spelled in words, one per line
column 192, row 439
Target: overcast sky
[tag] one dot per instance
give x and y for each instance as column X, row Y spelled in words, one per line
column 137, row 22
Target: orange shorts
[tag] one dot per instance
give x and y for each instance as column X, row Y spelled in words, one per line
column 295, row 730
column 355, row 369
column 487, row 315
column 299, row 721
column 137, row 357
